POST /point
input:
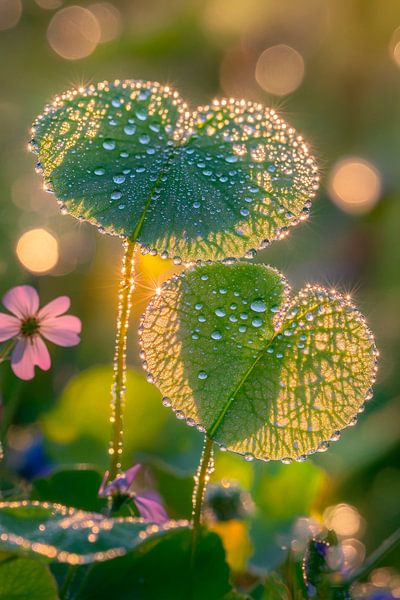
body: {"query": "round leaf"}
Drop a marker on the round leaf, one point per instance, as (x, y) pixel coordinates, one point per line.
(263, 374)
(130, 158)
(69, 535)
(26, 579)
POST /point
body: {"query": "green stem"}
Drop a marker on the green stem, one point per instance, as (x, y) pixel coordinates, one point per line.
(387, 546)
(67, 582)
(201, 479)
(6, 349)
(126, 287)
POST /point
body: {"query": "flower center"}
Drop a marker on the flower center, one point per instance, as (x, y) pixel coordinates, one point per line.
(30, 326)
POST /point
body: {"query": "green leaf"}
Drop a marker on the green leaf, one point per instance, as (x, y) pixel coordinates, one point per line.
(163, 570)
(130, 158)
(72, 536)
(81, 433)
(26, 579)
(77, 487)
(263, 374)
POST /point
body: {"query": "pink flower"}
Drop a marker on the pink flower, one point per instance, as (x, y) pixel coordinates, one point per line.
(29, 325)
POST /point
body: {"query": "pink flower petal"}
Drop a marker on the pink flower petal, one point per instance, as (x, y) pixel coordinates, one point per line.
(9, 327)
(56, 307)
(63, 331)
(27, 353)
(22, 300)
(150, 507)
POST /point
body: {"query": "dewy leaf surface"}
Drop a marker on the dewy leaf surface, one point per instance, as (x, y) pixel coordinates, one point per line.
(73, 536)
(130, 158)
(265, 375)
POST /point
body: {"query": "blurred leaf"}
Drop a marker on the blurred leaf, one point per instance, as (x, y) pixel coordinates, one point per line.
(26, 579)
(130, 158)
(69, 535)
(175, 488)
(236, 596)
(77, 487)
(286, 491)
(274, 588)
(79, 424)
(163, 570)
(265, 375)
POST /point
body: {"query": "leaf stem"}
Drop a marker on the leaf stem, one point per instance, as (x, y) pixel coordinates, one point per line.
(126, 287)
(6, 349)
(201, 479)
(387, 546)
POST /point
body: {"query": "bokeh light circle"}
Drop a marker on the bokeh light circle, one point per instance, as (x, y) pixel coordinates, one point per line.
(354, 185)
(280, 70)
(73, 32)
(10, 13)
(37, 250)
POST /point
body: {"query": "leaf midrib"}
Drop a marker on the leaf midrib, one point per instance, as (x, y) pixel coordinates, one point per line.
(217, 422)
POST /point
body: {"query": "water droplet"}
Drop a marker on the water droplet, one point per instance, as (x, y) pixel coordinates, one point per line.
(198, 306)
(119, 178)
(116, 195)
(257, 322)
(220, 312)
(144, 138)
(130, 129)
(99, 171)
(216, 335)
(109, 144)
(202, 375)
(258, 305)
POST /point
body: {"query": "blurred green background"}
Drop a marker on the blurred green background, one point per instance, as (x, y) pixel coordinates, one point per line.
(332, 68)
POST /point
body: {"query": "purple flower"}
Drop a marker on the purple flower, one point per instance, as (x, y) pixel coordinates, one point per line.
(148, 502)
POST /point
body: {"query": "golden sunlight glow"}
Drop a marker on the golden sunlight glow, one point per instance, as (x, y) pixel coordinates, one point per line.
(394, 46)
(109, 20)
(10, 13)
(354, 185)
(37, 250)
(344, 519)
(73, 33)
(280, 70)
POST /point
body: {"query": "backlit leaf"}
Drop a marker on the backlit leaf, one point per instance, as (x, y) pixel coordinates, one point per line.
(264, 374)
(132, 159)
(73, 536)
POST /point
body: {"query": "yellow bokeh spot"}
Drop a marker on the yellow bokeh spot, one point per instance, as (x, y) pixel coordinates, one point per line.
(354, 185)
(280, 70)
(37, 250)
(74, 32)
(236, 540)
(344, 519)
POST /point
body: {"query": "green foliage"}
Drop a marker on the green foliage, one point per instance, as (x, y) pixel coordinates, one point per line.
(163, 570)
(26, 579)
(69, 535)
(130, 158)
(78, 426)
(77, 487)
(264, 374)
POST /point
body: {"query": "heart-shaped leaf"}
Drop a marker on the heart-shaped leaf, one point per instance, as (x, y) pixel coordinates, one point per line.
(263, 374)
(73, 536)
(130, 158)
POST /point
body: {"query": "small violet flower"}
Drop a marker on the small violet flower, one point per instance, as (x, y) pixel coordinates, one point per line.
(148, 503)
(28, 325)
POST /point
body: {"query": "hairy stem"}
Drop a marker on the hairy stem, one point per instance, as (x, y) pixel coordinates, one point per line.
(126, 287)
(387, 546)
(201, 479)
